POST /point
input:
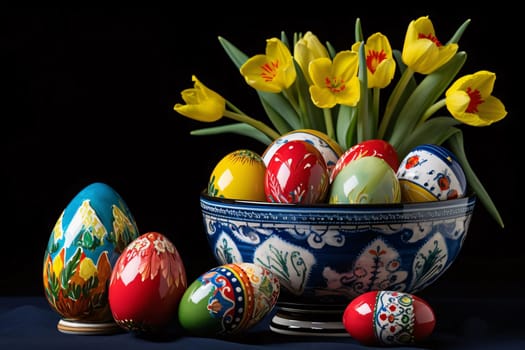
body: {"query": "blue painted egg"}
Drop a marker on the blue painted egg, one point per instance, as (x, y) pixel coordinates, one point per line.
(430, 173)
(85, 243)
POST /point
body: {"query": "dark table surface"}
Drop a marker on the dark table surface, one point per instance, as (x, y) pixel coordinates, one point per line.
(473, 322)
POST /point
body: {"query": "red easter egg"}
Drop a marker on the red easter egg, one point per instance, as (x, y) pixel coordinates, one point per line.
(388, 318)
(296, 173)
(374, 147)
(147, 284)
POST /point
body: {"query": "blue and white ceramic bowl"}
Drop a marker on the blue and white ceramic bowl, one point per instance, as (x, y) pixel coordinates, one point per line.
(326, 255)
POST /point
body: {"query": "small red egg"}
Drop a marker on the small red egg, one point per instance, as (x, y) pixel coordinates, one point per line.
(296, 173)
(147, 284)
(374, 147)
(388, 318)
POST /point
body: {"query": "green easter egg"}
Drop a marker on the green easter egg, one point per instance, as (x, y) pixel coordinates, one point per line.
(366, 180)
(195, 314)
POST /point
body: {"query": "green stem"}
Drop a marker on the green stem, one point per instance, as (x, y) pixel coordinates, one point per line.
(375, 110)
(290, 97)
(327, 112)
(394, 100)
(243, 118)
(431, 110)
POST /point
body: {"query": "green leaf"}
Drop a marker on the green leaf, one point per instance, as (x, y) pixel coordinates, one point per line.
(456, 146)
(435, 131)
(455, 38)
(311, 116)
(411, 84)
(358, 31)
(425, 94)
(403, 88)
(237, 56)
(284, 39)
(364, 125)
(281, 113)
(331, 50)
(345, 126)
(236, 128)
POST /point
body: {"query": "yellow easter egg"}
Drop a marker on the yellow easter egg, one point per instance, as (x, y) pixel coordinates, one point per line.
(239, 175)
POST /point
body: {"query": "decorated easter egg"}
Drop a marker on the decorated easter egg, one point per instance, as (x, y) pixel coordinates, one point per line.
(297, 173)
(365, 180)
(228, 299)
(147, 284)
(429, 173)
(330, 149)
(239, 175)
(373, 147)
(85, 243)
(388, 318)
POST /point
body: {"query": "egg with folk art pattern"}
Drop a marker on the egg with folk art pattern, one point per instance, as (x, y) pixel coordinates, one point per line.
(147, 284)
(389, 318)
(328, 147)
(85, 242)
(297, 173)
(228, 299)
(431, 173)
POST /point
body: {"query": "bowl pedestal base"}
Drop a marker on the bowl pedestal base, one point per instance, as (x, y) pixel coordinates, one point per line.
(70, 326)
(309, 322)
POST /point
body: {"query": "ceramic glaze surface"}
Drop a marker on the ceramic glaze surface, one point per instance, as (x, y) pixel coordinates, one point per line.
(374, 147)
(429, 173)
(228, 299)
(365, 180)
(147, 284)
(326, 255)
(84, 245)
(297, 173)
(389, 318)
(239, 175)
(330, 150)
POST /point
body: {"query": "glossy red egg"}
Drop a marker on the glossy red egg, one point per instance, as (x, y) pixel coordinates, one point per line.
(374, 147)
(147, 284)
(388, 318)
(296, 173)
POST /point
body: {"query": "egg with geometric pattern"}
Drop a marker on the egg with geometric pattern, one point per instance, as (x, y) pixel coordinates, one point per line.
(389, 318)
(228, 299)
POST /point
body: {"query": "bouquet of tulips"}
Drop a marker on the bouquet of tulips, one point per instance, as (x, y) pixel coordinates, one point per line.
(305, 84)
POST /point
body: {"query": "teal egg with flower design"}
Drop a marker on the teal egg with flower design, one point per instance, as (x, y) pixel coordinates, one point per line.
(84, 245)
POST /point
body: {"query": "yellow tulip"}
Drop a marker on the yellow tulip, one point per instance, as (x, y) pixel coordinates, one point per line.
(307, 49)
(380, 63)
(469, 99)
(272, 72)
(335, 82)
(202, 104)
(422, 51)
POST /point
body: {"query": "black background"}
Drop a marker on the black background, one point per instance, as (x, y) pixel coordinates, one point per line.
(88, 96)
